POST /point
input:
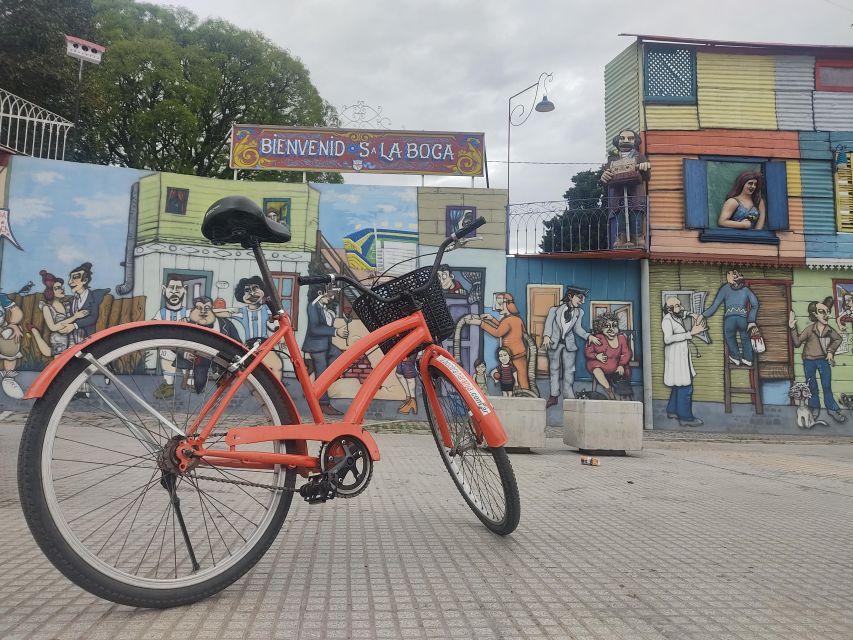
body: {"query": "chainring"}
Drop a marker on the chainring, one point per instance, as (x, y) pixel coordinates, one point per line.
(349, 460)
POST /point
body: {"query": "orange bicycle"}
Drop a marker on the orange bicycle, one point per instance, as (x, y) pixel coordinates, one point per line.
(159, 502)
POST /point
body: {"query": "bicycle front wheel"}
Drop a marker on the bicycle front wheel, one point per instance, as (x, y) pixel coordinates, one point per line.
(483, 475)
(99, 487)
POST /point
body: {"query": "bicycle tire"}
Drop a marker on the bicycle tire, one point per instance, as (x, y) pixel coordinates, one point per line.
(483, 475)
(58, 510)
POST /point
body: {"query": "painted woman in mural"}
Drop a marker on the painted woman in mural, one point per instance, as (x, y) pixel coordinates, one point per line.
(510, 329)
(744, 207)
(608, 360)
(58, 319)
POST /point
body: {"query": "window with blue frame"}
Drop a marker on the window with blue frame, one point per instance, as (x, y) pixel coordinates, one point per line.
(706, 184)
(669, 74)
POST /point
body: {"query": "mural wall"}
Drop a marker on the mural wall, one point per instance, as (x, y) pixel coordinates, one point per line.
(86, 247)
(583, 318)
(743, 348)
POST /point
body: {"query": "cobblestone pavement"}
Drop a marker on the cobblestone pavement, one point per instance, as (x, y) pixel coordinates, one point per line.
(689, 539)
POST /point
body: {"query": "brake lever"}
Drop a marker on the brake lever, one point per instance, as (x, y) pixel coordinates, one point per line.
(461, 242)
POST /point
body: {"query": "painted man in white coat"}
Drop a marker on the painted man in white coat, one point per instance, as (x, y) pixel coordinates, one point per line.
(678, 371)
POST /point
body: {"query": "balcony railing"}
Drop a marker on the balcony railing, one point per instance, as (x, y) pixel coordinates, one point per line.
(28, 129)
(578, 226)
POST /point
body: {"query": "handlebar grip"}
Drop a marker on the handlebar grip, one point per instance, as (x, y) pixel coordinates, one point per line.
(464, 231)
(326, 278)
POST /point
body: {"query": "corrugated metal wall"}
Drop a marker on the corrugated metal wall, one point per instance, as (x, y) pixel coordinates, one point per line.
(736, 91)
(814, 145)
(622, 94)
(669, 116)
(794, 86)
(833, 111)
(756, 144)
(818, 196)
(795, 186)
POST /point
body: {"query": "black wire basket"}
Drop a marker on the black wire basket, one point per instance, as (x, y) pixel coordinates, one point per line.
(377, 314)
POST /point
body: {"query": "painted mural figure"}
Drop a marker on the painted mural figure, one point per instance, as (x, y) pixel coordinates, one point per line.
(58, 319)
(407, 374)
(318, 338)
(844, 318)
(84, 299)
(744, 208)
(448, 283)
(203, 315)
(510, 329)
(562, 324)
(480, 376)
(506, 373)
(255, 317)
(608, 360)
(10, 346)
(174, 294)
(819, 342)
(740, 309)
(678, 371)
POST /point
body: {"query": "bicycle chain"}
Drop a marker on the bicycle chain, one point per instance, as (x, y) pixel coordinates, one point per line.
(242, 483)
(246, 483)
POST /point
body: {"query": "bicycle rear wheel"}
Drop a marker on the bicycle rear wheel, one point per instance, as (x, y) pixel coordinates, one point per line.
(98, 489)
(483, 475)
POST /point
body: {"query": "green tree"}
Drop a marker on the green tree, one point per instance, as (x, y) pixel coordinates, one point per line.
(170, 87)
(33, 64)
(583, 224)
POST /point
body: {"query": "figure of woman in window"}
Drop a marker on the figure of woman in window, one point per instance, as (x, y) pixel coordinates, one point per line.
(744, 207)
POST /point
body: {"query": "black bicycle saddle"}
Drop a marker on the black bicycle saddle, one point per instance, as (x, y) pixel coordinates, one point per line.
(237, 219)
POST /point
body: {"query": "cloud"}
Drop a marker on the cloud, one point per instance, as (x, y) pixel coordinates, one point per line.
(24, 210)
(45, 178)
(386, 208)
(71, 253)
(102, 208)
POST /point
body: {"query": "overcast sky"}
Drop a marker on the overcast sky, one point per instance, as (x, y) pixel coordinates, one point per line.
(451, 65)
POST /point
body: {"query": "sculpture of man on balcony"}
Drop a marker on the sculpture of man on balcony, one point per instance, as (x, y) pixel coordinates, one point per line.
(625, 176)
(627, 167)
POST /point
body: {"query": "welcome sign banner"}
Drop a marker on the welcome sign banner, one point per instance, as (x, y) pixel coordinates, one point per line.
(262, 147)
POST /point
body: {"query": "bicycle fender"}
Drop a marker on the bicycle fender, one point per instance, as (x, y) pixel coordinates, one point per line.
(482, 411)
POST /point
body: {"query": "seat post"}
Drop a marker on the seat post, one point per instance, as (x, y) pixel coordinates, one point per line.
(273, 299)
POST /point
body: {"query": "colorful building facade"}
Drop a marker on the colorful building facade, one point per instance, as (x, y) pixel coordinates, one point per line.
(707, 112)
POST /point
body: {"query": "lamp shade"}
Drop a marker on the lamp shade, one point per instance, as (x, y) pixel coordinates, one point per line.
(545, 105)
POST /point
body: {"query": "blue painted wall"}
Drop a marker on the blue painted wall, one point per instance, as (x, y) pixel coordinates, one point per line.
(614, 280)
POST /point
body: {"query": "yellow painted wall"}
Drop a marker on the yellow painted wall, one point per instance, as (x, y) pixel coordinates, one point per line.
(155, 224)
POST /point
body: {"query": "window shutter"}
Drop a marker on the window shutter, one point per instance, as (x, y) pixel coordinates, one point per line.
(695, 194)
(776, 178)
(844, 196)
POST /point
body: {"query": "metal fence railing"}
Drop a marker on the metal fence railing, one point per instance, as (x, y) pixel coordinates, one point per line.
(30, 130)
(575, 226)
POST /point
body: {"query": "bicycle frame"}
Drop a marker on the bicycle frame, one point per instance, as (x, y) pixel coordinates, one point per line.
(417, 333)
(319, 429)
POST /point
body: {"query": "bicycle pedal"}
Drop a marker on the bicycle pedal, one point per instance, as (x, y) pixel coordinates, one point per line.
(319, 489)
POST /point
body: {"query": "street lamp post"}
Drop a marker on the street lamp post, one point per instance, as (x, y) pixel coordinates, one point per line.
(521, 113)
(518, 115)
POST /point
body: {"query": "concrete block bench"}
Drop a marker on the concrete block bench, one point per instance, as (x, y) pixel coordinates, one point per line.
(523, 419)
(603, 425)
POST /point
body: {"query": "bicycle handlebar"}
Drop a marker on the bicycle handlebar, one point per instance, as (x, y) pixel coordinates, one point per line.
(331, 278)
